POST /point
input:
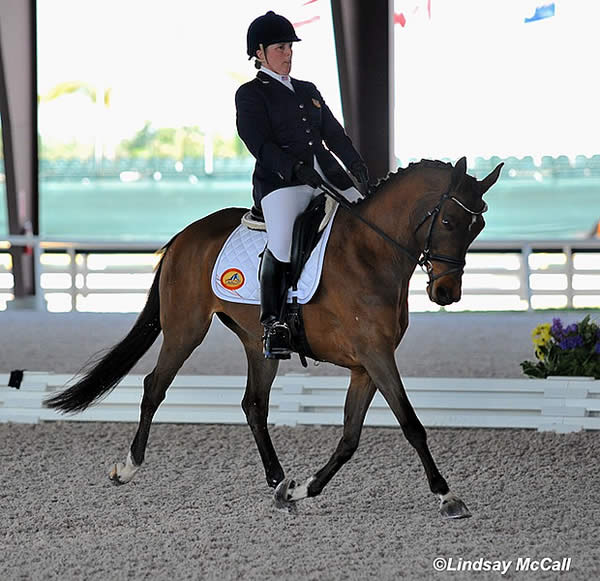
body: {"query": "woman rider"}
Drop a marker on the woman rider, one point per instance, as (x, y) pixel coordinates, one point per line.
(285, 123)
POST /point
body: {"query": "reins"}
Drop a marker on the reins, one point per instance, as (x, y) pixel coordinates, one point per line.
(348, 206)
(427, 257)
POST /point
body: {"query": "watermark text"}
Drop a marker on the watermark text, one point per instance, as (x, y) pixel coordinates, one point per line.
(502, 566)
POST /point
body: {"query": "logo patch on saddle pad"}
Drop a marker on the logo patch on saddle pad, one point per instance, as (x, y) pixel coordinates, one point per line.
(233, 279)
(235, 274)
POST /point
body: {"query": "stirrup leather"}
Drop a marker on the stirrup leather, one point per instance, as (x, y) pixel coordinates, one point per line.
(276, 341)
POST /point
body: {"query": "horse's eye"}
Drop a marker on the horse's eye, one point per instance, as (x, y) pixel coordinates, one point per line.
(447, 224)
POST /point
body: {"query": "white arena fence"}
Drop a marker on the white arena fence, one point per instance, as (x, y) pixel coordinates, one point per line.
(501, 275)
(557, 404)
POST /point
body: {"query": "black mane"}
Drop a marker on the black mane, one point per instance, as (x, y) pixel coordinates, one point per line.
(402, 171)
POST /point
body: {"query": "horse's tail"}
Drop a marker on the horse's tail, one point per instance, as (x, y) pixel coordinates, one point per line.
(105, 373)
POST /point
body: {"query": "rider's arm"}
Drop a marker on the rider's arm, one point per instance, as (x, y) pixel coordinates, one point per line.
(335, 137)
(254, 128)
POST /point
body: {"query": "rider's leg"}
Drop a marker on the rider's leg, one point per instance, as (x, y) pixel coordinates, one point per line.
(273, 292)
(280, 209)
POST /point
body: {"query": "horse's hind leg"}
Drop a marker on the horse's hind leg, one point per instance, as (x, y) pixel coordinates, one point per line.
(172, 355)
(359, 397)
(261, 373)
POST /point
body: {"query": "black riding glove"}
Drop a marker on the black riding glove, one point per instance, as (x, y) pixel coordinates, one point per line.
(360, 171)
(307, 175)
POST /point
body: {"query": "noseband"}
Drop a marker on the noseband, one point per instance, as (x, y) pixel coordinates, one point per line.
(426, 257)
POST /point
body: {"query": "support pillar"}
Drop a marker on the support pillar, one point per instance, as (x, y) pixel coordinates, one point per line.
(18, 113)
(364, 46)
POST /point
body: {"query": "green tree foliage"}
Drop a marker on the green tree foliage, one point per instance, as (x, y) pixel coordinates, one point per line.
(178, 143)
(70, 87)
(55, 150)
(148, 142)
(163, 142)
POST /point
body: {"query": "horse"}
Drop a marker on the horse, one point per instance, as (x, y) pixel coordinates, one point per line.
(427, 214)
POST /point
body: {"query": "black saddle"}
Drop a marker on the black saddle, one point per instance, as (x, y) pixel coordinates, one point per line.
(305, 237)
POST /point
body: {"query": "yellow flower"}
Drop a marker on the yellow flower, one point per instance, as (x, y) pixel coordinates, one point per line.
(541, 334)
(541, 337)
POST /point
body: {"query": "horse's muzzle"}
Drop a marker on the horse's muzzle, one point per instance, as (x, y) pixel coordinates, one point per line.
(445, 291)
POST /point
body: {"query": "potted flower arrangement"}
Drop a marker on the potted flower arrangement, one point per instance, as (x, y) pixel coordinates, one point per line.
(573, 350)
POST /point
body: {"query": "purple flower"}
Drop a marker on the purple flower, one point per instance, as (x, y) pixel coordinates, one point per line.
(557, 329)
(571, 342)
(571, 328)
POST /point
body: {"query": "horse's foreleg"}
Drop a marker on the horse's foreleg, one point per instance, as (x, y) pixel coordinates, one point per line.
(261, 373)
(170, 360)
(385, 374)
(359, 397)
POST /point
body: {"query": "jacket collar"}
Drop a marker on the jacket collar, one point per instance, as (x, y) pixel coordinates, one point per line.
(269, 80)
(264, 78)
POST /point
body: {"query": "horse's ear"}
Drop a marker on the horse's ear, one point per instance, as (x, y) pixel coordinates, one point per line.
(459, 171)
(487, 182)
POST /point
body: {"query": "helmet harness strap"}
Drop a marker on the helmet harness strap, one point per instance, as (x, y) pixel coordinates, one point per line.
(264, 51)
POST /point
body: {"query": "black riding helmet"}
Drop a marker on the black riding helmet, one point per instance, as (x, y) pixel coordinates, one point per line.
(269, 29)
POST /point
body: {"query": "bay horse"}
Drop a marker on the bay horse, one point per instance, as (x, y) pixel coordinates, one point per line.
(428, 214)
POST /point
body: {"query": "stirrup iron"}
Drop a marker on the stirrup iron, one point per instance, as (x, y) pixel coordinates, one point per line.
(276, 341)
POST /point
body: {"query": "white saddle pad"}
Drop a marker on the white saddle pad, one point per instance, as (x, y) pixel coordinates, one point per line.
(235, 274)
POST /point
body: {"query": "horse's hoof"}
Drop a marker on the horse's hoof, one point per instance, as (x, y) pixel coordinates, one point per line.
(454, 507)
(114, 476)
(275, 478)
(283, 496)
(274, 482)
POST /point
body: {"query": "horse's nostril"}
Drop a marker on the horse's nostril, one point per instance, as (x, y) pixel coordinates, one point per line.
(442, 293)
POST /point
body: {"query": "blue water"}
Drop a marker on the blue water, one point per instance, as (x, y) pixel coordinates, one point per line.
(518, 208)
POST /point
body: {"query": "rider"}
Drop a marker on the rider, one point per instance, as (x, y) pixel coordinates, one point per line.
(284, 123)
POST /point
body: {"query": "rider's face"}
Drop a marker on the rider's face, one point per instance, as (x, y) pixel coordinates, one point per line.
(278, 57)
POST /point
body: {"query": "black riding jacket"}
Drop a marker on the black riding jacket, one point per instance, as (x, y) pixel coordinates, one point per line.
(281, 127)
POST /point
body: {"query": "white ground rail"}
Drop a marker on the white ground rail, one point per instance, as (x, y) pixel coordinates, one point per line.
(559, 404)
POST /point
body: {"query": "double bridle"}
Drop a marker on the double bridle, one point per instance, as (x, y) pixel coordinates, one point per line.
(426, 258)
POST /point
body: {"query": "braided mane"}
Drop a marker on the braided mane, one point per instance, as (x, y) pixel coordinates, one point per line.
(403, 171)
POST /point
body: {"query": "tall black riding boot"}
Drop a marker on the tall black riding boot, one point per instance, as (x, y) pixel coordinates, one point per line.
(273, 293)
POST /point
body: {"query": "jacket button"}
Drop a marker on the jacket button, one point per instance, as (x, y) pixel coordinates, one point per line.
(301, 105)
(310, 143)
(308, 131)
(303, 118)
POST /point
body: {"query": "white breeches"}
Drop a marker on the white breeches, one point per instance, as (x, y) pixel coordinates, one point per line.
(281, 208)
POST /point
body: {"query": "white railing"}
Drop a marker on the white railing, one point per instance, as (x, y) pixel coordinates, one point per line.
(560, 404)
(500, 275)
